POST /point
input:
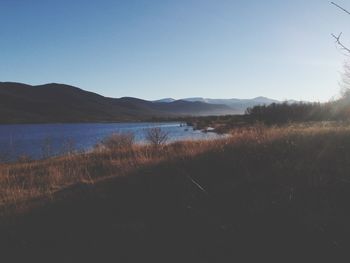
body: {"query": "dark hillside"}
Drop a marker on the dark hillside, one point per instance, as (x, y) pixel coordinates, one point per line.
(277, 195)
(21, 103)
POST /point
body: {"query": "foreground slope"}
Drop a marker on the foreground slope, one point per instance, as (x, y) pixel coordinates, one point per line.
(274, 195)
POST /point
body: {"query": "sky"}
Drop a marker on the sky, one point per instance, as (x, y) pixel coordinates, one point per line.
(154, 49)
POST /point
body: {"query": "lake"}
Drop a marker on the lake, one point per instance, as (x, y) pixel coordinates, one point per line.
(34, 140)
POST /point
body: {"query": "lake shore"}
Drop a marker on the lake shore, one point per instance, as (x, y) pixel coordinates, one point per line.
(27, 141)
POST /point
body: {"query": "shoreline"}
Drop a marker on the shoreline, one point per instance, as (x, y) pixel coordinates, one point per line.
(41, 140)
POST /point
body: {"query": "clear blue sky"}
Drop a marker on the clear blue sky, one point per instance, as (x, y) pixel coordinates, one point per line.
(181, 48)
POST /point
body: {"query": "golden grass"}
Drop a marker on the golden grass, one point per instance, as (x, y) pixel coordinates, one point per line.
(24, 181)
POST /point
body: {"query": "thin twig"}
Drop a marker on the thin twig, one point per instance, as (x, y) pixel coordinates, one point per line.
(197, 184)
(337, 40)
(341, 8)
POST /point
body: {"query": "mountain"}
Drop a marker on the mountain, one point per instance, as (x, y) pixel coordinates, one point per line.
(22, 103)
(165, 100)
(238, 105)
(182, 107)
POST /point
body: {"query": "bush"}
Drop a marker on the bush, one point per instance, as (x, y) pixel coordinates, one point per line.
(157, 136)
(118, 141)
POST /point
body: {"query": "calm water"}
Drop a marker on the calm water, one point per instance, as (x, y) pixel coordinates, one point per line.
(33, 139)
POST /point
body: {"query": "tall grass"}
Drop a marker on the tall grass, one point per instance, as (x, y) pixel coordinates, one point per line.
(295, 155)
(26, 179)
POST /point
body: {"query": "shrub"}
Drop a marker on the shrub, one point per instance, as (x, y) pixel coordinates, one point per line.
(118, 141)
(156, 136)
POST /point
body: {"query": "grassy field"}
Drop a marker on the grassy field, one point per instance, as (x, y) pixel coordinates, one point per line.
(277, 193)
(21, 182)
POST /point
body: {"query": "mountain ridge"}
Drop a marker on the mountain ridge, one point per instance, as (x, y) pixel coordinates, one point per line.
(59, 103)
(238, 105)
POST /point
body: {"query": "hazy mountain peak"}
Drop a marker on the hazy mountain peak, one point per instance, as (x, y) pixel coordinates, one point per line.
(165, 100)
(238, 105)
(262, 99)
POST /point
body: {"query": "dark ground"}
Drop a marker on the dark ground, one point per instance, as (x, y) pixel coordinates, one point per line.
(282, 204)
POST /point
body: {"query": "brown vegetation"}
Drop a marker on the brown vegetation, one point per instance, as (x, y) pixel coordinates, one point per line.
(263, 193)
(115, 156)
(117, 141)
(156, 136)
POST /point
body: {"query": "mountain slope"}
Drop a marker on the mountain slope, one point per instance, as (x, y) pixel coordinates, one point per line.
(165, 100)
(239, 105)
(21, 103)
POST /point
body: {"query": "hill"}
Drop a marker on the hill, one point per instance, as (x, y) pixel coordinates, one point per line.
(22, 103)
(238, 105)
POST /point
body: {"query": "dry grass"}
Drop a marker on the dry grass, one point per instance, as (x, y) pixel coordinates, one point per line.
(273, 191)
(23, 181)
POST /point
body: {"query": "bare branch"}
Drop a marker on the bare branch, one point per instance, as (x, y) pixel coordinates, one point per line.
(337, 38)
(341, 8)
(338, 41)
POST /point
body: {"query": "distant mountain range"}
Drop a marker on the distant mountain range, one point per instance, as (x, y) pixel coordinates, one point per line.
(237, 105)
(59, 103)
(21, 103)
